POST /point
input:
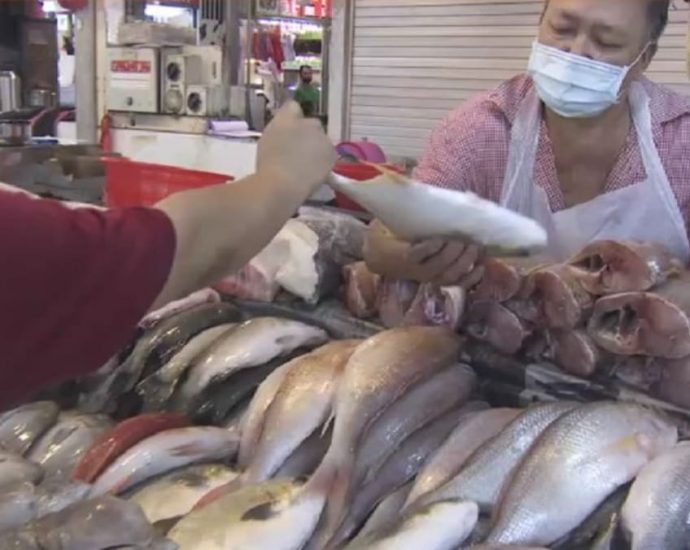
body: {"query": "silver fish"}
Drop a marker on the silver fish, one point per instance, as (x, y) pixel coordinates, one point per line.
(656, 512)
(15, 469)
(579, 460)
(471, 433)
(306, 458)
(20, 427)
(443, 392)
(59, 450)
(56, 495)
(203, 296)
(17, 505)
(485, 473)
(442, 526)
(175, 494)
(163, 453)
(386, 514)
(248, 345)
(301, 405)
(157, 388)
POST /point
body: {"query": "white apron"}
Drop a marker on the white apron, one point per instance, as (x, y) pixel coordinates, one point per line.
(645, 211)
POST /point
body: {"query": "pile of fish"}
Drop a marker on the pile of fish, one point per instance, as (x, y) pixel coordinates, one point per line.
(617, 309)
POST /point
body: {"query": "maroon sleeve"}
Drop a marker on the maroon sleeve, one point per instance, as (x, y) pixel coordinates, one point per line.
(73, 285)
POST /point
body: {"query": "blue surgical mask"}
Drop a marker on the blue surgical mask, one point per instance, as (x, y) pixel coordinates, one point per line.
(574, 86)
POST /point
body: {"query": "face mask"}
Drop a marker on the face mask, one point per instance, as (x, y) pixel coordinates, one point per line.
(574, 86)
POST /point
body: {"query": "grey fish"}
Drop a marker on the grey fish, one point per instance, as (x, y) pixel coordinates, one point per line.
(234, 421)
(441, 393)
(59, 450)
(157, 388)
(20, 427)
(484, 474)
(306, 458)
(400, 468)
(155, 348)
(251, 344)
(656, 512)
(56, 495)
(386, 514)
(472, 432)
(15, 469)
(576, 463)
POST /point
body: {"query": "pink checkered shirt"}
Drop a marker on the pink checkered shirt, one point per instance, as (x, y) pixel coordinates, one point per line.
(469, 150)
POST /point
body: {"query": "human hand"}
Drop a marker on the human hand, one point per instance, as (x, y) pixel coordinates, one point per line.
(445, 263)
(296, 149)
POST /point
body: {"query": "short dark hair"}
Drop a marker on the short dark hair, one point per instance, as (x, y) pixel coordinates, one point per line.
(301, 69)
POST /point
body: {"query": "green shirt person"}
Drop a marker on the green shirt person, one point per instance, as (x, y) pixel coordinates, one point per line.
(306, 94)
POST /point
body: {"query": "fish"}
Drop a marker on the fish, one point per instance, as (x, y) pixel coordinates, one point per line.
(488, 469)
(443, 306)
(303, 403)
(55, 495)
(61, 448)
(557, 296)
(503, 278)
(155, 348)
(176, 493)
(638, 372)
(381, 370)
(17, 505)
(472, 432)
(576, 463)
(120, 438)
(394, 301)
(203, 296)
(157, 388)
(574, 352)
(645, 323)
(670, 380)
(251, 344)
(208, 528)
(655, 514)
(441, 393)
(15, 469)
(495, 324)
(20, 427)
(442, 526)
(400, 468)
(611, 267)
(234, 421)
(163, 452)
(385, 515)
(361, 288)
(306, 458)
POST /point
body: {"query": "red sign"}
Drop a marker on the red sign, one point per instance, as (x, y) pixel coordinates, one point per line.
(130, 66)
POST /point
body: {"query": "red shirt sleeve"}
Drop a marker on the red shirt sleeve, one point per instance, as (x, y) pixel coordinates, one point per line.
(73, 285)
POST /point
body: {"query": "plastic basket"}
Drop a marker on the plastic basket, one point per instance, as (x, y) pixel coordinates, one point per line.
(133, 183)
(359, 172)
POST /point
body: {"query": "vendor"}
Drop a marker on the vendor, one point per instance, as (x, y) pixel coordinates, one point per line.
(583, 143)
(75, 283)
(306, 94)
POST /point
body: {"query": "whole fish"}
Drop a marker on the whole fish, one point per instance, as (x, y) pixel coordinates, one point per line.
(400, 468)
(61, 448)
(164, 452)
(156, 347)
(444, 392)
(15, 469)
(20, 427)
(502, 279)
(611, 267)
(203, 296)
(442, 526)
(645, 323)
(211, 527)
(361, 290)
(490, 467)
(120, 438)
(655, 514)
(576, 463)
(573, 351)
(380, 371)
(386, 515)
(251, 344)
(306, 458)
(157, 388)
(175, 494)
(472, 432)
(495, 324)
(558, 297)
(301, 405)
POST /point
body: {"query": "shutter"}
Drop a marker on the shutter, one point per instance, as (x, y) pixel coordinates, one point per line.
(413, 61)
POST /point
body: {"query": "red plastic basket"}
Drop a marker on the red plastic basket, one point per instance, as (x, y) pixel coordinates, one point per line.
(133, 183)
(358, 172)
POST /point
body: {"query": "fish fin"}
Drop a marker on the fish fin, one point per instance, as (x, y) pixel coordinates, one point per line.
(329, 422)
(262, 512)
(219, 492)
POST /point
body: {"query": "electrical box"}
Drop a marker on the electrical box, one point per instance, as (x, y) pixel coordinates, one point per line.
(132, 81)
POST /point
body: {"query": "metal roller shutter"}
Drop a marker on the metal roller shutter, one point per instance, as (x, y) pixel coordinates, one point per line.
(415, 60)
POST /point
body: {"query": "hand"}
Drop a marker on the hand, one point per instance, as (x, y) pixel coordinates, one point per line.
(296, 149)
(446, 263)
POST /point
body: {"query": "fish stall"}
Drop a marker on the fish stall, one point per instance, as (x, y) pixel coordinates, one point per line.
(306, 402)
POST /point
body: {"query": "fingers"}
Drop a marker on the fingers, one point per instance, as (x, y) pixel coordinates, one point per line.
(462, 262)
(422, 252)
(471, 280)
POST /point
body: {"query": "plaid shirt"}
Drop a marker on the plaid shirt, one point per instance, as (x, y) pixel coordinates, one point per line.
(469, 150)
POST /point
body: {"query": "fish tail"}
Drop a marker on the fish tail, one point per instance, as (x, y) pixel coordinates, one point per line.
(332, 478)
